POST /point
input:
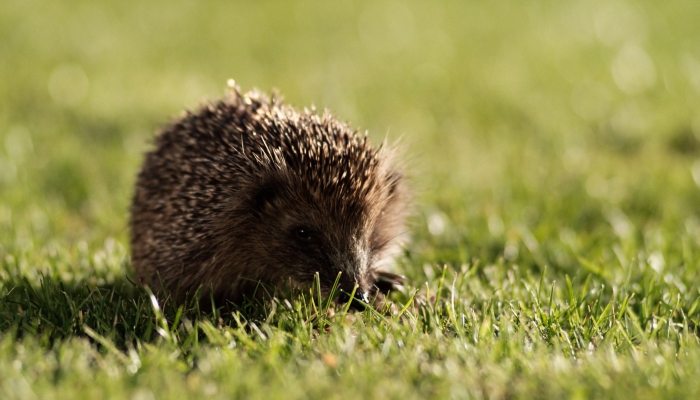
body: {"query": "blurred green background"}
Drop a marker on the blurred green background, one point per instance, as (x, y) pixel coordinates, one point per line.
(552, 146)
(535, 131)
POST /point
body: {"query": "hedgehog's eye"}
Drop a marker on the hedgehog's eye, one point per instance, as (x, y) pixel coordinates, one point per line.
(304, 234)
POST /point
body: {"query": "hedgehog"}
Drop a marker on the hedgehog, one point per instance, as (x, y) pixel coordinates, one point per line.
(249, 194)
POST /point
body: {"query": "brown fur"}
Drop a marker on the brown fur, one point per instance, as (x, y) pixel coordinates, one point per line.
(249, 190)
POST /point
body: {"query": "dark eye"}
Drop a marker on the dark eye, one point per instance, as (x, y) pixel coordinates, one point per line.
(304, 234)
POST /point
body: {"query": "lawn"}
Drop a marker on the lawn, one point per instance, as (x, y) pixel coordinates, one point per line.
(553, 148)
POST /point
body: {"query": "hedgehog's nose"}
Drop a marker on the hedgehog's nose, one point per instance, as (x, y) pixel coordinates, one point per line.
(358, 302)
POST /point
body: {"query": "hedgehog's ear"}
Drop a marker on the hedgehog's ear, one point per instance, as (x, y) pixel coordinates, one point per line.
(393, 180)
(263, 196)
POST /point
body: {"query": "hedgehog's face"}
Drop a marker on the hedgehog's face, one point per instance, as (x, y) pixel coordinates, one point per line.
(301, 233)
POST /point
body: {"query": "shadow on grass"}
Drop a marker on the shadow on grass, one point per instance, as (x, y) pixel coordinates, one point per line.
(121, 312)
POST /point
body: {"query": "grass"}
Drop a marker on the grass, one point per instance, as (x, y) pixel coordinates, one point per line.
(553, 146)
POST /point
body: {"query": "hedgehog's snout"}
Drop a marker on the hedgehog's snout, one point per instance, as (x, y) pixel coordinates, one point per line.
(352, 284)
(357, 302)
